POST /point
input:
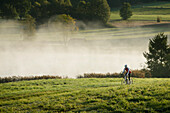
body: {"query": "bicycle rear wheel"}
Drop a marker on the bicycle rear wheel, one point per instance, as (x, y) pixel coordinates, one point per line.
(131, 81)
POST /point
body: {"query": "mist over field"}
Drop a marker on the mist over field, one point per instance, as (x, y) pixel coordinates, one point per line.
(102, 51)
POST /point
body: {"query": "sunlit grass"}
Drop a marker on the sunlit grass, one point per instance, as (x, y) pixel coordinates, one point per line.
(90, 95)
(150, 17)
(137, 17)
(159, 4)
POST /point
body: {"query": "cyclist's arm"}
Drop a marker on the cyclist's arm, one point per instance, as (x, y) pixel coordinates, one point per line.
(128, 71)
(123, 70)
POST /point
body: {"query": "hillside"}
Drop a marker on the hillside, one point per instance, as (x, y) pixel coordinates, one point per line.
(89, 95)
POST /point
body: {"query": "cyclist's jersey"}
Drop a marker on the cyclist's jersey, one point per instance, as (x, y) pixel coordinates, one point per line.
(127, 70)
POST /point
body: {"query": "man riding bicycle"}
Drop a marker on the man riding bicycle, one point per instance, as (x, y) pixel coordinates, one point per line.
(128, 73)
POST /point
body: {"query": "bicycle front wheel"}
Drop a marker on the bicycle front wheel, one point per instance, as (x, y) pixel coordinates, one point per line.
(123, 81)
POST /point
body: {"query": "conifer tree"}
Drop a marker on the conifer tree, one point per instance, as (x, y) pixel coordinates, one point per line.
(125, 11)
(158, 57)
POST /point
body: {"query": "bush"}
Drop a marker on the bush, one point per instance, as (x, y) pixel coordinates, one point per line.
(21, 78)
(100, 75)
(141, 73)
(135, 73)
(158, 19)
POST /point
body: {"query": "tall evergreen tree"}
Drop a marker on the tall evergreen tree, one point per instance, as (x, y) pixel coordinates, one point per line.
(158, 56)
(125, 11)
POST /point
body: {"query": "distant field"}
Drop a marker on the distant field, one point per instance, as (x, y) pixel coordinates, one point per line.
(139, 17)
(146, 12)
(123, 33)
(86, 95)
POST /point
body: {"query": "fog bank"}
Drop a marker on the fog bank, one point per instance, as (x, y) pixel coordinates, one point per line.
(85, 52)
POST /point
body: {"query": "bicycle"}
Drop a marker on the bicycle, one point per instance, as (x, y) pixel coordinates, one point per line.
(126, 81)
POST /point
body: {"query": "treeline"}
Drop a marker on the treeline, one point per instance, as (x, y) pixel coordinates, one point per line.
(136, 73)
(21, 78)
(41, 10)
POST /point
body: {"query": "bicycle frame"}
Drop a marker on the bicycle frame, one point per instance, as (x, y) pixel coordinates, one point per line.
(125, 80)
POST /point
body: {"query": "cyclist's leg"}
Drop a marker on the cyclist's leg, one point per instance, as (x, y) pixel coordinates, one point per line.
(126, 78)
(129, 76)
(126, 75)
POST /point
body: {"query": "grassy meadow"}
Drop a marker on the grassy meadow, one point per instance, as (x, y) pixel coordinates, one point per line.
(146, 12)
(86, 95)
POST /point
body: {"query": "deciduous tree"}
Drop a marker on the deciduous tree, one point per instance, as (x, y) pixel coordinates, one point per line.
(94, 10)
(99, 10)
(65, 24)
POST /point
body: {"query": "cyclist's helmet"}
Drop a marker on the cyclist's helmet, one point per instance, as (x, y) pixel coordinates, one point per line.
(125, 66)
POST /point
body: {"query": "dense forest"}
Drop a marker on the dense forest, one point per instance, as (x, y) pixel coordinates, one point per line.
(42, 10)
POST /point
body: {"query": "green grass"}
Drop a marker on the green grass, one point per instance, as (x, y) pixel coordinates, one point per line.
(146, 12)
(136, 17)
(86, 95)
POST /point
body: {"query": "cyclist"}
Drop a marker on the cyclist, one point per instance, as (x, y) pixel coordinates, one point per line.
(128, 72)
